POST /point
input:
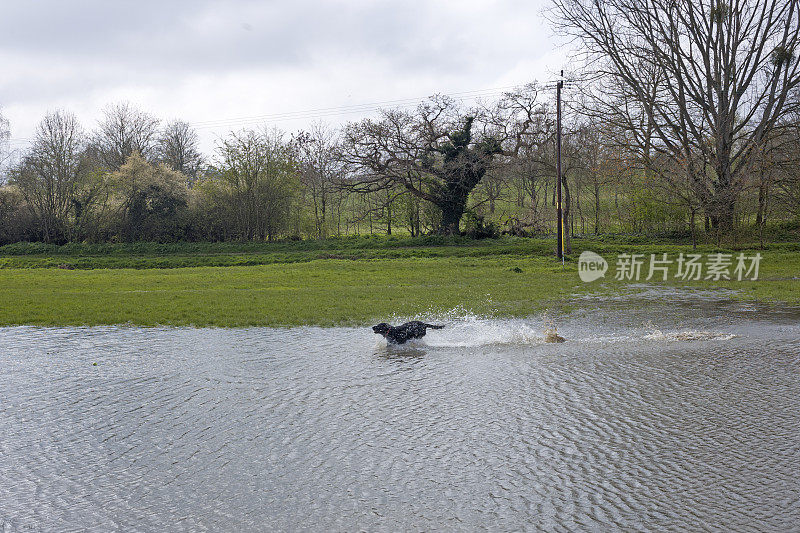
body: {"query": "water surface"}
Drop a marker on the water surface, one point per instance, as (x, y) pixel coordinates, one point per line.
(665, 411)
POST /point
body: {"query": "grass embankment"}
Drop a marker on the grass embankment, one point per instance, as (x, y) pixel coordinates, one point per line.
(310, 283)
(182, 255)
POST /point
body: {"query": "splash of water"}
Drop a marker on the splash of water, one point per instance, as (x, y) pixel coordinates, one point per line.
(466, 329)
(472, 331)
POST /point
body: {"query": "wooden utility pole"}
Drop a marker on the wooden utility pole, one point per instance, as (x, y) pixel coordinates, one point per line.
(560, 231)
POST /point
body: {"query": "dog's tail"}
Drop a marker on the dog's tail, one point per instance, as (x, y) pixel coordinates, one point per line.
(433, 326)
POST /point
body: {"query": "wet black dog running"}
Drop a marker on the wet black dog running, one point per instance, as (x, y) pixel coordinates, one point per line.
(400, 334)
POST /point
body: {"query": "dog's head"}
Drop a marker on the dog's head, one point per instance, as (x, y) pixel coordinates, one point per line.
(382, 328)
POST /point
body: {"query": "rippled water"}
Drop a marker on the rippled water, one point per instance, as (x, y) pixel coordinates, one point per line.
(660, 412)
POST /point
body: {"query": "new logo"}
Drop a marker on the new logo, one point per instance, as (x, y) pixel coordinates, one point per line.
(591, 266)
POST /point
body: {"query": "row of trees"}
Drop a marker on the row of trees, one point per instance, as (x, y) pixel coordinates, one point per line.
(410, 171)
(131, 180)
(687, 120)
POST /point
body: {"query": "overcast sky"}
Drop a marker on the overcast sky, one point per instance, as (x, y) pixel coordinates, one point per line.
(210, 62)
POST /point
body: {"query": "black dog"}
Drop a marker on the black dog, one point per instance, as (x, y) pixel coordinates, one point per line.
(400, 334)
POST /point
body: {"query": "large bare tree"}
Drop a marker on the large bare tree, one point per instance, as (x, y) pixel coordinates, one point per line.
(438, 152)
(696, 83)
(429, 152)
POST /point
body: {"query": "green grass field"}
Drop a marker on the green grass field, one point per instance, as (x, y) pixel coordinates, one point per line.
(349, 281)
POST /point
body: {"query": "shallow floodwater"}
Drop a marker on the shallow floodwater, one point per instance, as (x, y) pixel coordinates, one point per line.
(664, 411)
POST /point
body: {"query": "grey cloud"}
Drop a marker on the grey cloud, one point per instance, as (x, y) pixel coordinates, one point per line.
(70, 52)
(181, 36)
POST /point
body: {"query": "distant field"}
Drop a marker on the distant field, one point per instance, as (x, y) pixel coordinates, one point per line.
(351, 281)
(182, 255)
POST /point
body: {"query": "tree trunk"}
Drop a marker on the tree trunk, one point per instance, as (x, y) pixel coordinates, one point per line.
(723, 202)
(324, 227)
(451, 217)
(389, 217)
(596, 209)
(761, 201)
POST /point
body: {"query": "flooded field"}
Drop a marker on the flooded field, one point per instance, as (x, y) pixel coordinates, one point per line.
(663, 411)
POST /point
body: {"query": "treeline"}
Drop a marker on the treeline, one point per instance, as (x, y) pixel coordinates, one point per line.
(440, 168)
(132, 180)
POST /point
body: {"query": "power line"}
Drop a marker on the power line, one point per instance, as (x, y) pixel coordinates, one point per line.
(324, 112)
(331, 111)
(370, 107)
(348, 109)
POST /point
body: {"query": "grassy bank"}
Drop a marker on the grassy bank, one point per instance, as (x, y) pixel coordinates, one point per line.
(183, 255)
(309, 283)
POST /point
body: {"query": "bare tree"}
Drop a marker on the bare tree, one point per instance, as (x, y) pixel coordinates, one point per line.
(178, 148)
(320, 171)
(529, 128)
(123, 131)
(708, 79)
(259, 173)
(439, 152)
(50, 173)
(595, 160)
